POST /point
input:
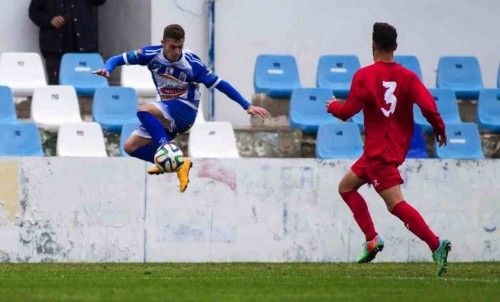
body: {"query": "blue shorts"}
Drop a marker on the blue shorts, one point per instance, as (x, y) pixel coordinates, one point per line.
(180, 115)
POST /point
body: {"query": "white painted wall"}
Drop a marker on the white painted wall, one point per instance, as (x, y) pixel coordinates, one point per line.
(72, 210)
(107, 210)
(308, 29)
(18, 32)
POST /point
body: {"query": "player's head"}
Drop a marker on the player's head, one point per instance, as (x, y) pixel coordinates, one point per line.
(384, 38)
(173, 41)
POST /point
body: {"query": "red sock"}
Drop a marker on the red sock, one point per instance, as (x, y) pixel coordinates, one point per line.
(416, 224)
(358, 207)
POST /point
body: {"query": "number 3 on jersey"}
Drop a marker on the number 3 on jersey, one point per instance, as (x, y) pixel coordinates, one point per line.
(389, 98)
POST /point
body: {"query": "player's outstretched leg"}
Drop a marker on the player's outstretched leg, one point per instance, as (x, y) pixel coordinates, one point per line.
(183, 174)
(440, 256)
(371, 249)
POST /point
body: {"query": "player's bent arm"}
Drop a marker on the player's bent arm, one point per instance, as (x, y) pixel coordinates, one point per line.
(345, 110)
(232, 93)
(352, 105)
(428, 107)
(113, 62)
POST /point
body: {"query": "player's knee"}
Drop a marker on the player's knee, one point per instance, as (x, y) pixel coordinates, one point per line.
(344, 187)
(145, 108)
(129, 147)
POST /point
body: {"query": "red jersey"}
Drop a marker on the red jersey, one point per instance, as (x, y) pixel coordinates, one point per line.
(386, 93)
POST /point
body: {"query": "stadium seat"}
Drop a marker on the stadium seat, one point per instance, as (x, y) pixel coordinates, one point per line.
(212, 140)
(22, 72)
(410, 62)
(7, 107)
(447, 106)
(200, 116)
(460, 74)
(127, 129)
(114, 107)
(339, 141)
(488, 110)
(53, 106)
(139, 78)
(76, 70)
(307, 109)
(336, 72)
(463, 142)
(276, 75)
(81, 140)
(417, 147)
(20, 139)
(498, 77)
(358, 119)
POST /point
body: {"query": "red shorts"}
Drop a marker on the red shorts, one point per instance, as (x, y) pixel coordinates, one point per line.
(377, 173)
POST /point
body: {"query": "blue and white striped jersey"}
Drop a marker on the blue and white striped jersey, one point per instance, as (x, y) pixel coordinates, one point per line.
(179, 79)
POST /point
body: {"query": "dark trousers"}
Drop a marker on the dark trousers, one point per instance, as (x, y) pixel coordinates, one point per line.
(52, 65)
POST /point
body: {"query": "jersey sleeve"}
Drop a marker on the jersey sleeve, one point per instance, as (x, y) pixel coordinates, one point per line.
(140, 56)
(201, 73)
(427, 105)
(353, 104)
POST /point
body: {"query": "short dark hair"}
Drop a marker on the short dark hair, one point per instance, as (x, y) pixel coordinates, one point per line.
(173, 31)
(384, 36)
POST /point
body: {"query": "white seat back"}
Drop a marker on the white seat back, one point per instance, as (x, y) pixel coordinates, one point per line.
(200, 117)
(139, 78)
(212, 140)
(55, 105)
(82, 140)
(22, 72)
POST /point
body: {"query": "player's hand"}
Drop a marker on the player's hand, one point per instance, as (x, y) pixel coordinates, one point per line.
(252, 110)
(102, 73)
(328, 103)
(58, 21)
(441, 139)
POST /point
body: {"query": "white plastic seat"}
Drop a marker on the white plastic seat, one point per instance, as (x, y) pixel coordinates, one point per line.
(55, 105)
(212, 140)
(81, 140)
(139, 78)
(22, 72)
(200, 116)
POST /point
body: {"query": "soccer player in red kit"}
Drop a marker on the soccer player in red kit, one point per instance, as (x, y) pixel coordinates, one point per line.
(386, 91)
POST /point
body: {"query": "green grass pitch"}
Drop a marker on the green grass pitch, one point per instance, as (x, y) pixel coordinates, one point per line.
(249, 282)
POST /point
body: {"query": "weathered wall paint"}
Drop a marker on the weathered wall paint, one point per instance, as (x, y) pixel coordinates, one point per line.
(106, 209)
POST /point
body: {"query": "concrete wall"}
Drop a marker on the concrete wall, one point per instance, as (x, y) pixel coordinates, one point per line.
(124, 25)
(95, 210)
(18, 32)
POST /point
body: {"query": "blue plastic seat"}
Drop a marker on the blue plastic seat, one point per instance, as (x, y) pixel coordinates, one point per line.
(20, 139)
(339, 141)
(417, 144)
(276, 75)
(7, 107)
(114, 107)
(460, 74)
(127, 129)
(447, 106)
(463, 142)
(336, 72)
(498, 77)
(307, 109)
(76, 70)
(358, 119)
(411, 63)
(488, 110)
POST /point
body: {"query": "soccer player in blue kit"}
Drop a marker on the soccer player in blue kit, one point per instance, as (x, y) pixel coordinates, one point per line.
(176, 73)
